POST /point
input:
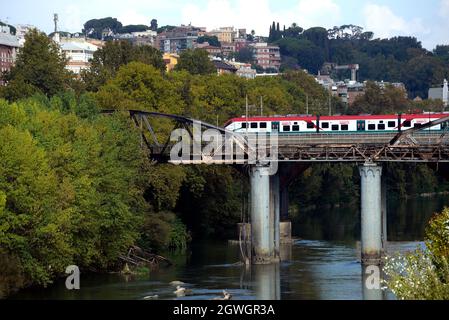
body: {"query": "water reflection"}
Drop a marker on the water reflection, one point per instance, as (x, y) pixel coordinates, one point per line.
(267, 281)
(326, 266)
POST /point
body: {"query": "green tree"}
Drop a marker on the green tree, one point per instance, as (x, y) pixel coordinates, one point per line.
(195, 62)
(212, 40)
(244, 55)
(40, 67)
(94, 28)
(108, 60)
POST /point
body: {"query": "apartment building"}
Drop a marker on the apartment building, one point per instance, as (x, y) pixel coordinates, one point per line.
(9, 46)
(267, 56)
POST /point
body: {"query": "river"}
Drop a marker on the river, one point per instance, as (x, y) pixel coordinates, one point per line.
(322, 264)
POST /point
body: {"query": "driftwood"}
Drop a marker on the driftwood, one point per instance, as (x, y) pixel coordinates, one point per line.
(139, 257)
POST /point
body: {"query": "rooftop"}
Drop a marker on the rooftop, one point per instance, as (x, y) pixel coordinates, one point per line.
(9, 40)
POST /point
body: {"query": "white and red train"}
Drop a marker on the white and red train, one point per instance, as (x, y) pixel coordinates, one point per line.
(335, 124)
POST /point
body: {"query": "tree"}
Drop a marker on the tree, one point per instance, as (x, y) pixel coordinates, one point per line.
(142, 87)
(133, 28)
(377, 100)
(245, 54)
(195, 62)
(40, 67)
(107, 61)
(212, 40)
(94, 28)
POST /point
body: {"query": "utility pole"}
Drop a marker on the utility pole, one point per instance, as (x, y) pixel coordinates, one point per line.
(246, 115)
(307, 104)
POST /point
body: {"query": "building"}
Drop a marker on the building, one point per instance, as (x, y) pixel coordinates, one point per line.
(441, 93)
(224, 67)
(227, 48)
(9, 46)
(22, 30)
(240, 43)
(79, 52)
(171, 60)
(224, 34)
(348, 91)
(213, 51)
(178, 39)
(266, 56)
(244, 70)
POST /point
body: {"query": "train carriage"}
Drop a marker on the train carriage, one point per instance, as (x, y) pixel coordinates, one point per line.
(334, 124)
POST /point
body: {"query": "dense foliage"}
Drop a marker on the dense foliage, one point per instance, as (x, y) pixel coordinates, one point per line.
(40, 67)
(399, 59)
(195, 61)
(70, 188)
(112, 56)
(423, 274)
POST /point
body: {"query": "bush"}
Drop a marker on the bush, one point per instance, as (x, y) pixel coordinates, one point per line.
(423, 274)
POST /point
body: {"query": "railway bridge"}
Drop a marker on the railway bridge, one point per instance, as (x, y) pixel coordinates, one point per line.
(272, 161)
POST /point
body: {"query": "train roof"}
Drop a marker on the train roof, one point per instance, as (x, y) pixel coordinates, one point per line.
(330, 118)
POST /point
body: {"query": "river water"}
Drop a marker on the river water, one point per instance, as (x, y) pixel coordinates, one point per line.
(322, 264)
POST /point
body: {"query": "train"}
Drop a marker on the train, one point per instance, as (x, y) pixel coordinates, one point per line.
(302, 124)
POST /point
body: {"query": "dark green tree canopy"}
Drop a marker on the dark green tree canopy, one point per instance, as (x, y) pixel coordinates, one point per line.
(195, 62)
(40, 67)
(95, 27)
(212, 40)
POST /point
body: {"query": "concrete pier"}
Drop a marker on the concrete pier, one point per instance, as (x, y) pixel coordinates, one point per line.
(262, 225)
(384, 213)
(275, 209)
(371, 210)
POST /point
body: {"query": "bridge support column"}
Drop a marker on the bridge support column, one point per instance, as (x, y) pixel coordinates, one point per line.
(384, 213)
(371, 208)
(275, 208)
(262, 226)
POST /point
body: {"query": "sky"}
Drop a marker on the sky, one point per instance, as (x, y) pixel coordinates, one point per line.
(426, 20)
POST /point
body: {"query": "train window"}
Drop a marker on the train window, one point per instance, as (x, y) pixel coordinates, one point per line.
(381, 126)
(286, 128)
(407, 124)
(295, 128)
(243, 125)
(344, 127)
(310, 125)
(335, 127)
(371, 127)
(391, 124)
(263, 125)
(254, 125)
(325, 125)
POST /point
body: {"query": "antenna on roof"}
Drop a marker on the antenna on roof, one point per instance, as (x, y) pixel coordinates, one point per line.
(56, 19)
